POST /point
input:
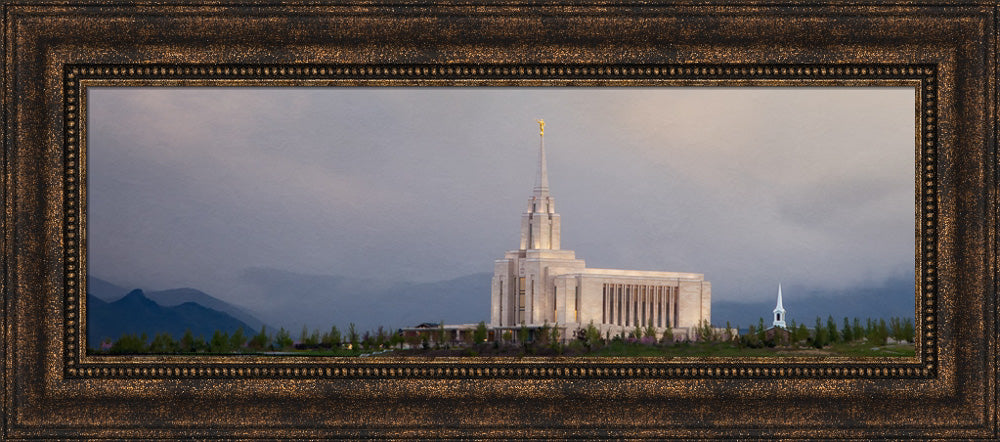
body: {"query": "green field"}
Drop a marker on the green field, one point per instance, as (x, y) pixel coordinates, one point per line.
(721, 349)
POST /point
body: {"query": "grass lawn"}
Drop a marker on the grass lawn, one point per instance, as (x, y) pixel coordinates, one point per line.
(718, 349)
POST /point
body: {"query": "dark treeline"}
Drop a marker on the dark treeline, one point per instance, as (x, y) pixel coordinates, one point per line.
(873, 331)
(239, 341)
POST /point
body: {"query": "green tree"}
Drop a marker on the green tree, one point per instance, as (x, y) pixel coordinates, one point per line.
(283, 339)
(857, 330)
(481, 333)
(819, 334)
(219, 342)
(187, 342)
(129, 343)
(877, 332)
(896, 329)
(831, 330)
(237, 339)
(730, 336)
(508, 335)
(554, 337)
(761, 331)
(883, 332)
(332, 338)
(200, 345)
(163, 343)
(908, 330)
(260, 340)
(752, 338)
(847, 333)
(802, 334)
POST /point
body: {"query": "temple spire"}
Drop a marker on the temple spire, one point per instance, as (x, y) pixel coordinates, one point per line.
(542, 177)
(540, 223)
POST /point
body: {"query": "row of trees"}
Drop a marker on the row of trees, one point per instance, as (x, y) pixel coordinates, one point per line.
(873, 331)
(876, 332)
(221, 342)
(224, 342)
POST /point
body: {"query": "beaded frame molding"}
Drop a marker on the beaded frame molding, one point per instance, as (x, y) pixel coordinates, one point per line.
(78, 77)
(53, 52)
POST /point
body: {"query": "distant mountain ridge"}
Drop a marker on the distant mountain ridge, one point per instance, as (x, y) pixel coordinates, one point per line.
(109, 292)
(135, 313)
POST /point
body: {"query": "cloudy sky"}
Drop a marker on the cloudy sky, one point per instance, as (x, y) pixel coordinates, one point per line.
(752, 186)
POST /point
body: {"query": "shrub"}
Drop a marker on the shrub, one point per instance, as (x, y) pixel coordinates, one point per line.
(650, 331)
(668, 336)
(593, 335)
(705, 332)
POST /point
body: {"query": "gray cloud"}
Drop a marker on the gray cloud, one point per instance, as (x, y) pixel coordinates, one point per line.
(188, 187)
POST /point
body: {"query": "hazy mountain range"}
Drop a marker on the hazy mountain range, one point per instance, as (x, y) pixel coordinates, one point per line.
(135, 313)
(109, 292)
(291, 300)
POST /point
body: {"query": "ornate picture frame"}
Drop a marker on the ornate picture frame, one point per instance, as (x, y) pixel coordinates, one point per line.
(53, 52)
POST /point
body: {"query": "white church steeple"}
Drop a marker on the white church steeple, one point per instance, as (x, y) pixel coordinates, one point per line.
(779, 312)
(540, 222)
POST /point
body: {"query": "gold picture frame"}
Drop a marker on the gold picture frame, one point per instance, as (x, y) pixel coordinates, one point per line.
(53, 52)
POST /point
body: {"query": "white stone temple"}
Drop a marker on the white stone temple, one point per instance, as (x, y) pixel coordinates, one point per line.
(540, 283)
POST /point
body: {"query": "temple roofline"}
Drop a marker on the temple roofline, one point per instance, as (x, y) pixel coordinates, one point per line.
(637, 273)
